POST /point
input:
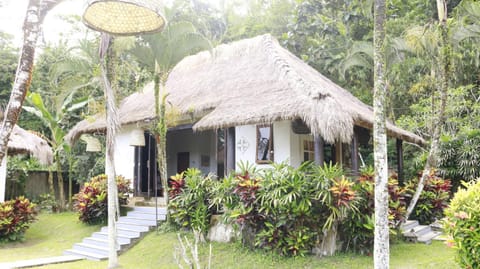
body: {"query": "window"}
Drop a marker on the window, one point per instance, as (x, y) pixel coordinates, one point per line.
(308, 150)
(264, 144)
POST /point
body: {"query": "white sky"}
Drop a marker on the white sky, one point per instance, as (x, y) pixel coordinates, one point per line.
(12, 14)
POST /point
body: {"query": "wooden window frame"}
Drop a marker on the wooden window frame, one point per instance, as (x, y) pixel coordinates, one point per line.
(270, 154)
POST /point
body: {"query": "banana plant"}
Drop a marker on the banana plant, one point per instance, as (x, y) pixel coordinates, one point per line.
(52, 119)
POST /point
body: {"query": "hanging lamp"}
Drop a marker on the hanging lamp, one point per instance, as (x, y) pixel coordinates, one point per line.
(93, 144)
(137, 138)
(125, 17)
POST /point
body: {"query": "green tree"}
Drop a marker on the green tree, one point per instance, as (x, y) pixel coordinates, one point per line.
(160, 53)
(53, 120)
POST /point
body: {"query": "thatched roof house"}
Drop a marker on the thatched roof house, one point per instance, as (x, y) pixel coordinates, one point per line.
(24, 142)
(252, 81)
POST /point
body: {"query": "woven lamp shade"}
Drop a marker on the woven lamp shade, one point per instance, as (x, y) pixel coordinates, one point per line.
(93, 144)
(125, 17)
(137, 138)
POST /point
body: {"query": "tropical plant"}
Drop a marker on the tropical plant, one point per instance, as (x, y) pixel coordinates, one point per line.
(160, 53)
(461, 224)
(15, 218)
(190, 207)
(91, 201)
(53, 120)
(433, 200)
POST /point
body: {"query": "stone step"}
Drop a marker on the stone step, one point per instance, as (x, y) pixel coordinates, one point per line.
(427, 238)
(86, 254)
(409, 224)
(124, 231)
(146, 215)
(103, 242)
(137, 221)
(417, 231)
(133, 227)
(101, 250)
(437, 226)
(150, 209)
(120, 238)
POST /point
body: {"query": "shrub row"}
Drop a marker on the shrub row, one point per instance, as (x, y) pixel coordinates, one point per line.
(15, 218)
(294, 210)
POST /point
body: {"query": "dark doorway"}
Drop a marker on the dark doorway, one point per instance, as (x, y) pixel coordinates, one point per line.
(183, 161)
(147, 175)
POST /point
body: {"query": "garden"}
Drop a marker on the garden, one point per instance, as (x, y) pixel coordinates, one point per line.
(415, 62)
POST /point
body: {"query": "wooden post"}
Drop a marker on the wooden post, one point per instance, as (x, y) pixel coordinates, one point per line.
(339, 153)
(400, 162)
(354, 154)
(230, 148)
(319, 154)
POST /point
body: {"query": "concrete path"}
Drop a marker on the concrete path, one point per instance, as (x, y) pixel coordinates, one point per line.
(40, 262)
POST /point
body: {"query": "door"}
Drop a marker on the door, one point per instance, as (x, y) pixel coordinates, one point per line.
(146, 175)
(183, 161)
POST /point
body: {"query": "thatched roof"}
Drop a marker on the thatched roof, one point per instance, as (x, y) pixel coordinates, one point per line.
(252, 81)
(24, 142)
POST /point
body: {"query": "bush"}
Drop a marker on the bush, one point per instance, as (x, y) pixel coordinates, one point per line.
(289, 209)
(462, 224)
(91, 200)
(432, 201)
(190, 194)
(15, 218)
(357, 229)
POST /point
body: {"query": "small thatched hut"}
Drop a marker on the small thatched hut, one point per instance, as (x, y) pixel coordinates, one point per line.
(271, 104)
(24, 142)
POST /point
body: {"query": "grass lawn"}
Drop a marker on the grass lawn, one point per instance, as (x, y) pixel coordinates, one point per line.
(49, 236)
(156, 251)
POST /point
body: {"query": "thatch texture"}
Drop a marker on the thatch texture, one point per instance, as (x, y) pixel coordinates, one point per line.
(253, 81)
(24, 142)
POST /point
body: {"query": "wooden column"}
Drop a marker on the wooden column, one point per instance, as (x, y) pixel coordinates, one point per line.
(319, 154)
(400, 162)
(354, 154)
(339, 153)
(230, 148)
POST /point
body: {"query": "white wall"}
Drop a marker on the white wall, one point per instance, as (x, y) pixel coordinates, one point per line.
(285, 144)
(3, 178)
(124, 153)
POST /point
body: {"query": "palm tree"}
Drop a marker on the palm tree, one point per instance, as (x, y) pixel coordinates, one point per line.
(36, 12)
(381, 240)
(161, 52)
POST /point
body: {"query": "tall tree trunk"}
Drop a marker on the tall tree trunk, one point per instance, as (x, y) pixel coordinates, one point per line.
(36, 11)
(108, 74)
(381, 240)
(70, 183)
(61, 191)
(444, 69)
(161, 131)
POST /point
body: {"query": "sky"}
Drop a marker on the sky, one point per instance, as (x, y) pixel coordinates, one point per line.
(12, 14)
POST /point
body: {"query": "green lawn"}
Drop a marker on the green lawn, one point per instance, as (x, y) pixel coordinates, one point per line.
(49, 237)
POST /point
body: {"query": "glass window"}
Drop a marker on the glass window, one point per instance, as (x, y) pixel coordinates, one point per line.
(308, 150)
(264, 144)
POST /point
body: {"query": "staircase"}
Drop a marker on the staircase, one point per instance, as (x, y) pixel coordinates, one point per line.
(414, 232)
(130, 229)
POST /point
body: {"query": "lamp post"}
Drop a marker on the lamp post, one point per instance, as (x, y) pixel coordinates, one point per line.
(118, 18)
